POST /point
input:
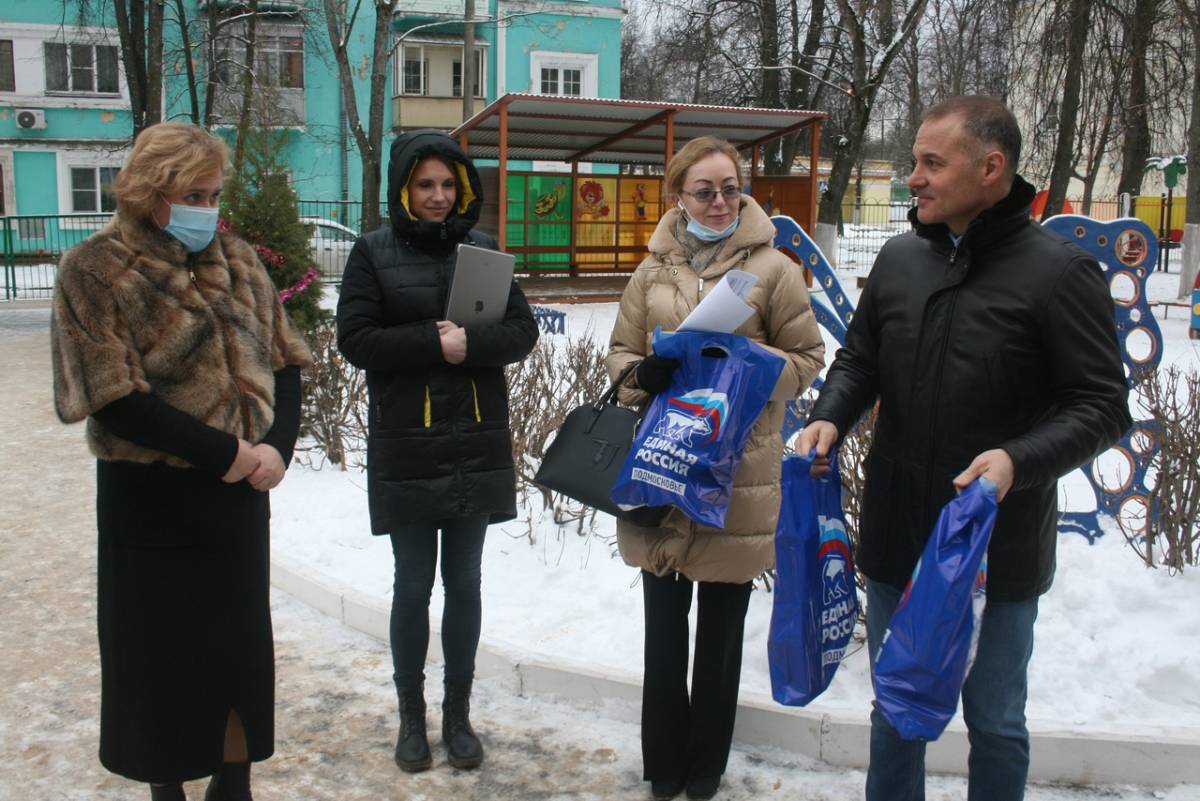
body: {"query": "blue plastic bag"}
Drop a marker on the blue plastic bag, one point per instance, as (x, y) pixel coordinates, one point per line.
(690, 441)
(930, 643)
(815, 600)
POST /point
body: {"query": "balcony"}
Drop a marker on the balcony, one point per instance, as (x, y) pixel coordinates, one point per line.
(417, 12)
(419, 111)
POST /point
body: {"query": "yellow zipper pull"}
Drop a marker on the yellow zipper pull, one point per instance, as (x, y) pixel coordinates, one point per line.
(428, 408)
(475, 394)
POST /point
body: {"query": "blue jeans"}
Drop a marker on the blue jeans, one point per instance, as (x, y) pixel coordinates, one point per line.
(415, 548)
(993, 707)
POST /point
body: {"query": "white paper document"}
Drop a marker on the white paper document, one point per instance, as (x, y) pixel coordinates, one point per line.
(724, 308)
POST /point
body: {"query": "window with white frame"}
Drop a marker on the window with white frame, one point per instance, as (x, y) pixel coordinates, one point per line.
(8, 76)
(91, 189)
(81, 68)
(457, 76)
(561, 81)
(280, 61)
(572, 74)
(414, 71)
(278, 56)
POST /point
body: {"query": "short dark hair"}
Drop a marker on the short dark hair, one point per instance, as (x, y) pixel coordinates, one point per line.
(987, 120)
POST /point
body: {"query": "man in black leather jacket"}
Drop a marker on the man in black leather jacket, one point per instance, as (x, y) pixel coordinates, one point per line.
(990, 345)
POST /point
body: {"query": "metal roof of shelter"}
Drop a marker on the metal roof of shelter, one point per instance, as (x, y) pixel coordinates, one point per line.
(575, 129)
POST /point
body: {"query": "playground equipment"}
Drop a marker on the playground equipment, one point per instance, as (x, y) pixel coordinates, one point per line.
(1194, 331)
(1124, 248)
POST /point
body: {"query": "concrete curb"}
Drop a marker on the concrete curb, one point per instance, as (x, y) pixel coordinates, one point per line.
(1164, 756)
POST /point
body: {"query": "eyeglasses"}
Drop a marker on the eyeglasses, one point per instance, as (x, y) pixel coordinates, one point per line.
(709, 195)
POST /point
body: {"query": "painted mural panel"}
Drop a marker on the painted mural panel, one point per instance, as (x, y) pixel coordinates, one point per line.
(595, 218)
(639, 210)
(539, 216)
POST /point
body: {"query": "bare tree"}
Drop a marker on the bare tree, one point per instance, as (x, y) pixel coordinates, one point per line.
(181, 19)
(1190, 11)
(1097, 134)
(140, 28)
(876, 41)
(1060, 171)
(1139, 26)
(340, 22)
(805, 84)
(247, 104)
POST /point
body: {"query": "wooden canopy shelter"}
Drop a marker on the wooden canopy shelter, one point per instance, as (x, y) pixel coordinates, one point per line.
(625, 132)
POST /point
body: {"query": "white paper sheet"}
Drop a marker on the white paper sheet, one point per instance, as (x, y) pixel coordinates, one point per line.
(724, 308)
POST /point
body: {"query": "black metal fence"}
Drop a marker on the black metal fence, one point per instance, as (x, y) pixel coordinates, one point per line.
(343, 212)
(865, 228)
(33, 243)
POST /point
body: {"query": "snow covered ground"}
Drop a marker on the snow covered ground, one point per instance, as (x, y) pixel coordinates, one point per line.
(1116, 642)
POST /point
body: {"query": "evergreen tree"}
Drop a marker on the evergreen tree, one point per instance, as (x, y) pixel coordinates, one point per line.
(260, 206)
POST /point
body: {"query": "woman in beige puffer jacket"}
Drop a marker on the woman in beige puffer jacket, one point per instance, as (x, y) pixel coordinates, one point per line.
(686, 741)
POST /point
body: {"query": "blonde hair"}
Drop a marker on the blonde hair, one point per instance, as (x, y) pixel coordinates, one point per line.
(167, 159)
(694, 151)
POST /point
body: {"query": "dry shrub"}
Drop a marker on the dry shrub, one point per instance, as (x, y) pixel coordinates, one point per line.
(333, 411)
(852, 453)
(559, 375)
(1167, 534)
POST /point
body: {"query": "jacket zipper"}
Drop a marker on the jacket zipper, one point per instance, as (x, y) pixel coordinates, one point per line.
(937, 388)
(475, 397)
(428, 408)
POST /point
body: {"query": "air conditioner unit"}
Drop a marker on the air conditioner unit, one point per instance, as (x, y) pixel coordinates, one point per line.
(31, 118)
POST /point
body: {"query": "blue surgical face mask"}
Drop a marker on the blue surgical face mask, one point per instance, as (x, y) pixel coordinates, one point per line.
(706, 234)
(193, 226)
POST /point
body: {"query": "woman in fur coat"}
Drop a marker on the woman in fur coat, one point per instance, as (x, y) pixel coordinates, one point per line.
(439, 450)
(713, 229)
(169, 338)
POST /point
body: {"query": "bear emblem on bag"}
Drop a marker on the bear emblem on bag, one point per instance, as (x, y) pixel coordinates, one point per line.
(834, 557)
(700, 411)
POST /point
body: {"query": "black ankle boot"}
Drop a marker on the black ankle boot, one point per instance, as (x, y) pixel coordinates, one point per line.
(463, 748)
(167, 792)
(412, 747)
(702, 788)
(231, 784)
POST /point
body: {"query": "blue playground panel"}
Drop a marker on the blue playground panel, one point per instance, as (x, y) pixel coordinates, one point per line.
(1126, 249)
(1195, 329)
(550, 321)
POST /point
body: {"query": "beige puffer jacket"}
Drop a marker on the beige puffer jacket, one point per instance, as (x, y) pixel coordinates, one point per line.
(662, 291)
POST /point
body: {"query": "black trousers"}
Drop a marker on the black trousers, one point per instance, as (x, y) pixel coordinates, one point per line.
(686, 737)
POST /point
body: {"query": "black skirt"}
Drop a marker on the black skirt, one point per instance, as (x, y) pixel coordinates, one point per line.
(184, 620)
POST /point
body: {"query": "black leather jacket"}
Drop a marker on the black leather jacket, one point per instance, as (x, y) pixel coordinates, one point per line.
(1005, 340)
(439, 445)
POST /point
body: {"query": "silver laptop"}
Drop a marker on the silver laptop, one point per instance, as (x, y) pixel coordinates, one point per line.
(480, 288)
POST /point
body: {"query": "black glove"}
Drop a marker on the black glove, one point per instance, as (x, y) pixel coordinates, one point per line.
(654, 373)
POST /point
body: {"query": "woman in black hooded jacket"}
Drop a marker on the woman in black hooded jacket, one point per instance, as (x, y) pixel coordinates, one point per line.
(439, 451)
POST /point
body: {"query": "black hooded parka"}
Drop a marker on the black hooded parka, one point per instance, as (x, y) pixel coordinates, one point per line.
(439, 445)
(1006, 339)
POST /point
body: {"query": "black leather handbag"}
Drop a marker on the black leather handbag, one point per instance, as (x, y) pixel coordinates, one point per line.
(587, 454)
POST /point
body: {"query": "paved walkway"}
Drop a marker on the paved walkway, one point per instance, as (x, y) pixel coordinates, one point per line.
(335, 714)
(335, 718)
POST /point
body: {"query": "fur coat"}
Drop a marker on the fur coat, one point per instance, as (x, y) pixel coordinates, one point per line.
(205, 332)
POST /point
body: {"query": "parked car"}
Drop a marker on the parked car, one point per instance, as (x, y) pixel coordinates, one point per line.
(331, 243)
